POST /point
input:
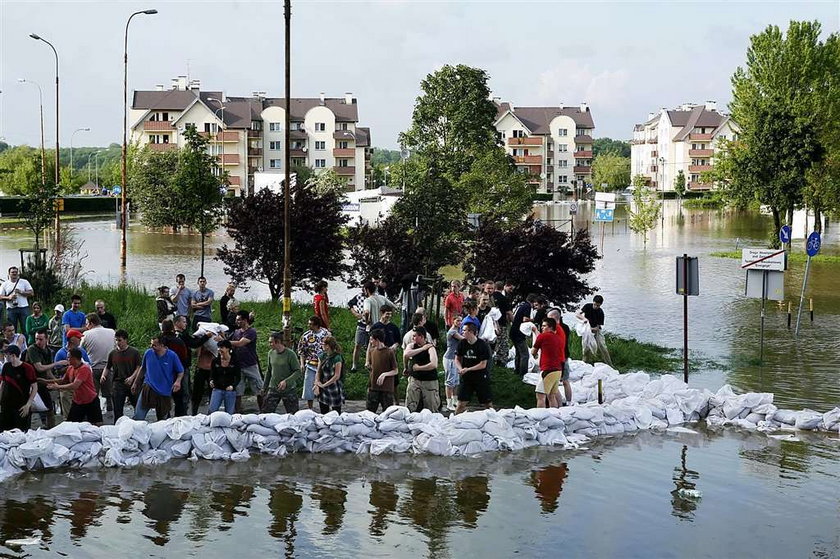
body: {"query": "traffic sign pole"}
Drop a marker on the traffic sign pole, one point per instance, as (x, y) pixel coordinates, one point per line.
(812, 247)
(763, 300)
(685, 319)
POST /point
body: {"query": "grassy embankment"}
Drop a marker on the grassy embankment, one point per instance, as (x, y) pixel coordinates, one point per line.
(135, 311)
(799, 257)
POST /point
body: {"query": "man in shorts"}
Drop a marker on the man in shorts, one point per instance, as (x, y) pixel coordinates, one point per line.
(453, 379)
(551, 346)
(472, 360)
(382, 363)
(79, 379)
(357, 307)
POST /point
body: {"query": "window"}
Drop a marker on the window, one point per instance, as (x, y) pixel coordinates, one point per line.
(275, 163)
(320, 127)
(562, 132)
(320, 163)
(159, 117)
(562, 163)
(343, 163)
(500, 136)
(518, 133)
(343, 126)
(297, 126)
(275, 146)
(695, 178)
(582, 132)
(563, 147)
(562, 178)
(275, 127)
(321, 145)
(343, 145)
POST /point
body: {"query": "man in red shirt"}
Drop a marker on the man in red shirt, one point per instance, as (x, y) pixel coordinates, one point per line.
(85, 406)
(18, 387)
(551, 343)
(453, 304)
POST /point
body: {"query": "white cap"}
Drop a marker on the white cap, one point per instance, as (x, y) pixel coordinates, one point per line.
(59, 307)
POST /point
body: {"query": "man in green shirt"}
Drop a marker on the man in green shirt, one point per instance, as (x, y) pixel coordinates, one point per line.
(40, 357)
(283, 378)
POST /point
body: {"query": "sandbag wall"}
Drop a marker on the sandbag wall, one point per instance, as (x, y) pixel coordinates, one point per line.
(633, 402)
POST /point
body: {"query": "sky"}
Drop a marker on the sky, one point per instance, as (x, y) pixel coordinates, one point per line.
(625, 59)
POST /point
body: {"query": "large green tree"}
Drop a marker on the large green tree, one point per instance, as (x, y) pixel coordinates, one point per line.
(608, 145)
(152, 189)
(494, 189)
(612, 170)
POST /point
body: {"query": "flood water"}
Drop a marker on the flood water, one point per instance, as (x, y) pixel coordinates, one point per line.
(619, 498)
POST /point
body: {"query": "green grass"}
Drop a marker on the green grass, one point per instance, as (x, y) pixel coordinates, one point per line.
(703, 203)
(799, 257)
(135, 310)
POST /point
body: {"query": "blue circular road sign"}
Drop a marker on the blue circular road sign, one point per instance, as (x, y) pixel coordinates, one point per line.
(812, 246)
(784, 234)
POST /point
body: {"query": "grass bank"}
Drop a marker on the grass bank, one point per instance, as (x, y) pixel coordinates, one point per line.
(135, 311)
(703, 203)
(798, 257)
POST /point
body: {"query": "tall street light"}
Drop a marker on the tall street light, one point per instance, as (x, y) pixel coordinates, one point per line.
(71, 147)
(57, 166)
(662, 209)
(123, 216)
(287, 270)
(43, 151)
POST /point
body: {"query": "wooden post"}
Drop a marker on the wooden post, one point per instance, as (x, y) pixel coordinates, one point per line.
(789, 315)
(600, 391)
(811, 309)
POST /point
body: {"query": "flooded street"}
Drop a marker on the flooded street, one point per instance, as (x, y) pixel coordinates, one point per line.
(620, 497)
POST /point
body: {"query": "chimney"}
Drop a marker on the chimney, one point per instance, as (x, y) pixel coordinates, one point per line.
(348, 98)
(511, 107)
(651, 115)
(323, 99)
(195, 85)
(497, 100)
(584, 106)
(711, 106)
(159, 87)
(180, 83)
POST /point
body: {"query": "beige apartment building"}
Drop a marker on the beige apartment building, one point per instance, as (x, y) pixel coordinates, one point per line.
(247, 133)
(552, 144)
(683, 139)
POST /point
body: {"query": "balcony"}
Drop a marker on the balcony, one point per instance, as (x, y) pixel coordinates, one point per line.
(699, 186)
(536, 141)
(234, 180)
(701, 152)
(297, 134)
(652, 140)
(527, 159)
(583, 139)
(582, 170)
(584, 154)
(157, 125)
(345, 171)
(654, 153)
(653, 169)
(255, 152)
(226, 136)
(254, 133)
(699, 168)
(344, 152)
(344, 135)
(700, 137)
(229, 159)
(299, 153)
(163, 147)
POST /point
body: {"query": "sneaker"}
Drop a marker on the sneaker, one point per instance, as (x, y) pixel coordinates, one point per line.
(452, 404)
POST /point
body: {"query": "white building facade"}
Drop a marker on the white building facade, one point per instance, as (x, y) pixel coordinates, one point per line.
(683, 139)
(247, 133)
(552, 144)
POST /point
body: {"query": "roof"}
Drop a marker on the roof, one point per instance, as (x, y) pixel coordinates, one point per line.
(538, 119)
(362, 137)
(300, 106)
(696, 117)
(167, 100)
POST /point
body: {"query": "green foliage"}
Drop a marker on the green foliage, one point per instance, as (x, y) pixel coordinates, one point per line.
(452, 122)
(679, 183)
(385, 157)
(153, 192)
(608, 145)
(793, 256)
(712, 201)
(644, 211)
(494, 188)
(639, 181)
(194, 180)
(611, 169)
(327, 181)
(45, 282)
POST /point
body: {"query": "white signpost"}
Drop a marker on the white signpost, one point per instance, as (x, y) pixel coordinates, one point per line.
(604, 210)
(771, 265)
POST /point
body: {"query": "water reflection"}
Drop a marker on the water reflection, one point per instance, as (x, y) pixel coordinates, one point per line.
(285, 504)
(383, 499)
(472, 495)
(332, 500)
(163, 506)
(548, 484)
(683, 506)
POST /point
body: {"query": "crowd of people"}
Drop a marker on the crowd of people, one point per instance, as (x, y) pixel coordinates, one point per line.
(80, 364)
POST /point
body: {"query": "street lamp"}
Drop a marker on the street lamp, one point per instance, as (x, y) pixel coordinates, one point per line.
(662, 209)
(57, 165)
(215, 113)
(96, 158)
(71, 147)
(123, 216)
(41, 110)
(287, 269)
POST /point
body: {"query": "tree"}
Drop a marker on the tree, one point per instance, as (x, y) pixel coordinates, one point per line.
(679, 183)
(536, 258)
(327, 181)
(495, 189)
(153, 191)
(645, 210)
(611, 169)
(255, 223)
(453, 118)
(608, 145)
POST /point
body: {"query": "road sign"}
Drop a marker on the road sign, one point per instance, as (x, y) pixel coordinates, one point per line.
(763, 259)
(692, 269)
(812, 246)
(117, 189)
(784, 234)
(573, 207)
(771, 287)
(602, 205)
(603, 214)
(605, 196)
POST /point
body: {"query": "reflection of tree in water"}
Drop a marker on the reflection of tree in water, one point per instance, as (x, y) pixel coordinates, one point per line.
(285, 504)
(85, 511)
(383, 499)
(472, 495)
(548, 484)
(164, 505)
(430, 507)
(228, 502)
(681, 507)
(22, 520)
(788, 456)
(331, 501)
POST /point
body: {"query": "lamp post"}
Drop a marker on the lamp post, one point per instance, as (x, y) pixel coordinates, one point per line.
(96, 158)
(123, 216)
(41, 110)
(221, 108)
(88, 164)
(57, 165)
(71, 147)
(662, 209)
(287, 270)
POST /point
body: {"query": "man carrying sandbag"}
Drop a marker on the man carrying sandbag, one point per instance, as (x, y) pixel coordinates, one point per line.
(593, 314)
(160, 375)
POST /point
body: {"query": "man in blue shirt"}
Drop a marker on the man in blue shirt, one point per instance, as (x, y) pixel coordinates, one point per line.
(182, 296)
(74, 318)
(160, 375)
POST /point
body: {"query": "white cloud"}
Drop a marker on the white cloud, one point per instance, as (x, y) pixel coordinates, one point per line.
(572, 82)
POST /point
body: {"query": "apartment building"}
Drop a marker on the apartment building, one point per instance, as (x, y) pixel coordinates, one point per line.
(683, 139)
(552, 144)
(247, 133)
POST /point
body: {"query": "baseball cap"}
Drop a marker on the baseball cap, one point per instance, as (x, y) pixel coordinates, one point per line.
(73, 334)
(59, 308)
(12, 350)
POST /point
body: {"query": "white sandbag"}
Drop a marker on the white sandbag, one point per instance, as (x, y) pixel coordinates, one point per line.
(219, 419)
(807, 420)
(787, 417)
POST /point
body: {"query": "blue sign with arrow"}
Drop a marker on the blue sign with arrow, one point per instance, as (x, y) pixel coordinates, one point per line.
(784, 234)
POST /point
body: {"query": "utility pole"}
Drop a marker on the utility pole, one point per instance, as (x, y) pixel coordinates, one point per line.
(287, 269)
